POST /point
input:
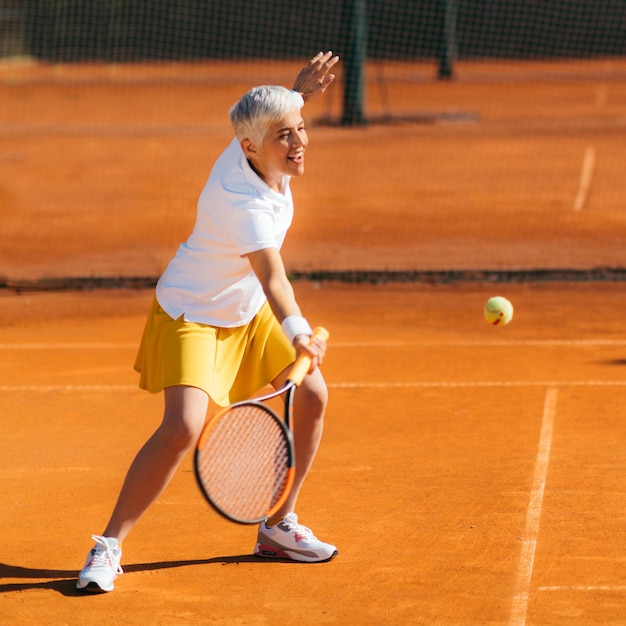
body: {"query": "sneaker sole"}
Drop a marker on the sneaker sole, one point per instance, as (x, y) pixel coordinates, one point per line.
(272, 552)
(93, 587)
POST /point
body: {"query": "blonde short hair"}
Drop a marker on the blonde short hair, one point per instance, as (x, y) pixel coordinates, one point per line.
(252, 116)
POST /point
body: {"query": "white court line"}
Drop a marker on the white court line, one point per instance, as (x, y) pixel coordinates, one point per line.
(69, 388)
(584, 588)
(8, 473)
(529, 543)
(375, 385)
(504, 383)
(349, 344)
(479, 343)
(586, 176)
(67, 346)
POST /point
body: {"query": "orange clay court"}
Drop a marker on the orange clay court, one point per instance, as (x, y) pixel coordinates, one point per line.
(468, 474)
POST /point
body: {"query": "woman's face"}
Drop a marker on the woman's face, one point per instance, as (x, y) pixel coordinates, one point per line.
(282, 151)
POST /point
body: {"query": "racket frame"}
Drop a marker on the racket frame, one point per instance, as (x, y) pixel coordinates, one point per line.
(294, 378)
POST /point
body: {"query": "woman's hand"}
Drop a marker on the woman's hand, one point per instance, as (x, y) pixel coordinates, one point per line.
(314, 78)
(315, 348)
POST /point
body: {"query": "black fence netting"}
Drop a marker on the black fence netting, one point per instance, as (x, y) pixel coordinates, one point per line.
(460, 140)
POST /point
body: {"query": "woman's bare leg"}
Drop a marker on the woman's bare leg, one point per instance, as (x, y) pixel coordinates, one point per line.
(156, 462)
(310, 403)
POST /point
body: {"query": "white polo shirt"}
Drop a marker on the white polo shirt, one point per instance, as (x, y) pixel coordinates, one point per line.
(208, 280)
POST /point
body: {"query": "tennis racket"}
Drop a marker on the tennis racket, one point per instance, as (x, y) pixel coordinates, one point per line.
(244, 459)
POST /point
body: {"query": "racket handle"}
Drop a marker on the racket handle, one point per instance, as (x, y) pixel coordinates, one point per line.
(303, 362)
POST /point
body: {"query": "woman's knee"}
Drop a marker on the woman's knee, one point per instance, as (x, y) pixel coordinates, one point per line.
(184, 416)
(313, 394)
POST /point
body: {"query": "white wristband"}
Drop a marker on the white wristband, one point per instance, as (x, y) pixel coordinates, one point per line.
(299, 100)
(295, 325)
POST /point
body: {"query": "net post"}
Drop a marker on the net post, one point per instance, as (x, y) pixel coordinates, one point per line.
(448, 50)
(354, 58)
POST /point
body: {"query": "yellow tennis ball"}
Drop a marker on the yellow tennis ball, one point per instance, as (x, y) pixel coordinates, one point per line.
(498, 311)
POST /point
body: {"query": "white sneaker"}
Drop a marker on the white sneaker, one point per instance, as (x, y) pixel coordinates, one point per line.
(290, 540)
(102, 566)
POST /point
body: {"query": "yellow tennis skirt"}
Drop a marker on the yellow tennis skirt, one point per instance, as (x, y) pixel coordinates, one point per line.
(230, 364)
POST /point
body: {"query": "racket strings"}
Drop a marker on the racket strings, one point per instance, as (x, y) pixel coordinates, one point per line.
(244, 462)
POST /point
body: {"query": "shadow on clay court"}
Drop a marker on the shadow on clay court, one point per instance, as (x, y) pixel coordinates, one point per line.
(621, 362)
(67, 585)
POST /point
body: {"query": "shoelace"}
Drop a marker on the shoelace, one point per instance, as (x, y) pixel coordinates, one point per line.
(291, 521)
(103, 555)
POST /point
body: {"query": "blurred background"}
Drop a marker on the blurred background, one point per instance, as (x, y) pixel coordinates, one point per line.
(461, 139)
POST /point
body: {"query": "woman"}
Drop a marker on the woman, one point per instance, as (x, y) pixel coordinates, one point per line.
(225, 321)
